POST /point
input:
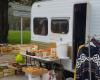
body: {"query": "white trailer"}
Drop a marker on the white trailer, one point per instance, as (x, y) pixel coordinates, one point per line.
(65, 22)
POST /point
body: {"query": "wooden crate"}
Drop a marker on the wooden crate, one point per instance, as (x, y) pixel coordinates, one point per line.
(1, 74)
(34, 70)
(8, 72)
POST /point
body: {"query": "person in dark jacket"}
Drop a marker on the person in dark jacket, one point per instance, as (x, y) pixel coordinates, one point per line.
(83, 69)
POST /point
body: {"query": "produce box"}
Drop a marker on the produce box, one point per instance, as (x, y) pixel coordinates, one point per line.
(34, 70)
(8, 72)
(1, 71)
(1, 74)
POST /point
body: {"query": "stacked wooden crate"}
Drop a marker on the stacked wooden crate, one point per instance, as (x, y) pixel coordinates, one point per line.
(8, 72)
(5, 71)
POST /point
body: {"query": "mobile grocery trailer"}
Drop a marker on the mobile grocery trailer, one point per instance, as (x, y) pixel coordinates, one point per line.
(65, 22)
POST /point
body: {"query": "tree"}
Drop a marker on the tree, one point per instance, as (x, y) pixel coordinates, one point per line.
(4, 27)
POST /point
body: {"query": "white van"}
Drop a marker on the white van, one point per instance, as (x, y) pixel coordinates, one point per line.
(66, 22)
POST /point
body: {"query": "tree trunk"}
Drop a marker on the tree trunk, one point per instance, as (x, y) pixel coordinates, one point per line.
(4, 27)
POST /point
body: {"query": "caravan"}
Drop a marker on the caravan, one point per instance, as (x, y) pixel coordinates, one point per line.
(68, 23)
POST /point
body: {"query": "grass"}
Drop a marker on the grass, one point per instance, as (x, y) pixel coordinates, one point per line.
(14, 37)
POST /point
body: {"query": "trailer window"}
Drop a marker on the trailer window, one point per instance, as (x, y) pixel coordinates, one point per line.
(40, 26)
(60, 26)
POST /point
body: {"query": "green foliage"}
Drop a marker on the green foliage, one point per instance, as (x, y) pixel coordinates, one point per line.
(14, 37)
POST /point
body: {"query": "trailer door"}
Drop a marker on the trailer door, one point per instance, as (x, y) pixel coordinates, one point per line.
(79, 28)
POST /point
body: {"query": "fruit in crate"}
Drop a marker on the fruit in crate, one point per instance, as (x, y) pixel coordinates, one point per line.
(35, 70)
(29, 69)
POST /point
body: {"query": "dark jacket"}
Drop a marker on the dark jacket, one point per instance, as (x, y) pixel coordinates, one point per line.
(82, 63)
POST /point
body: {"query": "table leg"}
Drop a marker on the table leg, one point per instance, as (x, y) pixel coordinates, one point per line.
(26, 61)
(30, 61)
(1, 51)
